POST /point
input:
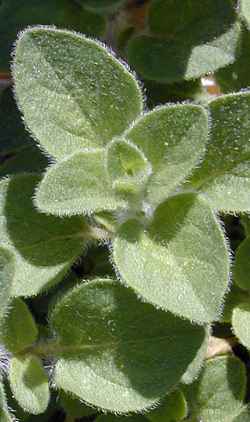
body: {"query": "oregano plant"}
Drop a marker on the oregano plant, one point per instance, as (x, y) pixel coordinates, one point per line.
(124, 246)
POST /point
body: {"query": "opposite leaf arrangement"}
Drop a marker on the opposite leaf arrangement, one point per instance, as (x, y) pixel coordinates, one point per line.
(149, 185)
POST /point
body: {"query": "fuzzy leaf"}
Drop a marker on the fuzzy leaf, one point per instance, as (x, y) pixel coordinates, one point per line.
(29, 384)
(219, 392)
(173, 140)
(5, 416)
(241, 323)
(180, 263)
(44, 246)
(77, 185)
(178, 53)
(128, 168)
(194, 368)
(224, 175)
(118, 353)
(244, 416)
(15, 15)
(19, 329)
(242, 265)
(7, 269)
(245, 11)
(73, 93)
(236, 76)
(173, 408)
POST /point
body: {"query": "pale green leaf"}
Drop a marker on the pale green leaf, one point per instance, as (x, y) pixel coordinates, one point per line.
(44, 247)
(173, 140)
(172, 408)
(118, 353)
(224, 175)
(77, 185)
(242, 265)
(217, 396)
(244, 416)
(128, 168)
(29, 384)
(194, 368)
(191, 39)
(245, 11)
(19, 329)
(241, 323)
(72, 91)
(180, 263)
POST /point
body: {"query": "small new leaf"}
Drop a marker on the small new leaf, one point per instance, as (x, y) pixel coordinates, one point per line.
(127, 167)
(72, 91)
(29, 384)
(180, 263)
(116, 352)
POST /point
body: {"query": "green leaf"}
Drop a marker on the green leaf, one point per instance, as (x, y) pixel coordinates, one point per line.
(245, 221)
(173, 408)
(244, 416)
(7, 269)
(241, 323)
(15, 15)
(224, 175)
(73, 93)
(29, 384)
(242, 265)
(5, 416)
(18, 152)
(77, 185)
(180, 263)
(74, 407)
(173, 140)
(245, 11)
(194, 368)
(128, 168)
(234, 77)
(19, 329)
(193, 38)
(219, 392)
(118, 353)
(44, 246)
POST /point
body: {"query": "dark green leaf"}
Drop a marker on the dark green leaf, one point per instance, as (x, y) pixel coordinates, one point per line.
(116, 352)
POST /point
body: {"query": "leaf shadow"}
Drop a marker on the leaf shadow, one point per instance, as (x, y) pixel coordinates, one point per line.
(40, 239)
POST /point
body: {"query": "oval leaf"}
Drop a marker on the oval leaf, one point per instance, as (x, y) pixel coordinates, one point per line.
(118, 353)
(241, 323)
(73, 93)
(29, 384)
(180, 263)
